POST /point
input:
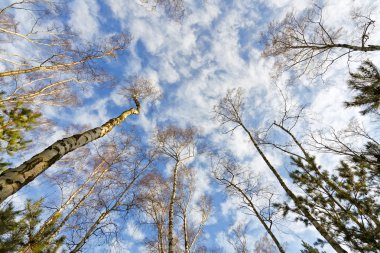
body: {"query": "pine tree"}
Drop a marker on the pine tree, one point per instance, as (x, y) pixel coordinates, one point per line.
(10, 237)
(366, 82)
(13, 180)
(18, 230)
(15, 120)
(346, 202)
(309, 249)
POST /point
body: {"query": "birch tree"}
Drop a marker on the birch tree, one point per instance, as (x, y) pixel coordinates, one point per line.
(42, 60)
(192, 227)
(115, 195)
(13, 180)
(104, 161)
(244, 184)
(178, 145)
(307, 44)
(190, 214)
(338, 202)
(168, 203)
(229, 112)
(153, 201)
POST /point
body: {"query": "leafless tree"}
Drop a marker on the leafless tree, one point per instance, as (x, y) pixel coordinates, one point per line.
(178, 145)
(42, 60)
(13, 180)
(153, 201)
(306, 43)
(191, 230)
(238, 238)
(113, 191)
(244, 184)
(229, 112)
(264, 245)
(168, 203)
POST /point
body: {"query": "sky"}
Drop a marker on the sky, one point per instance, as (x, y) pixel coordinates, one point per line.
(217, 46)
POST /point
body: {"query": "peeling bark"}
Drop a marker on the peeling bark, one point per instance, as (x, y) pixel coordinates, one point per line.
(13, 180)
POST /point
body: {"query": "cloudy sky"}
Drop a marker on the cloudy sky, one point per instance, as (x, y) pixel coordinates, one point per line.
(217, 46)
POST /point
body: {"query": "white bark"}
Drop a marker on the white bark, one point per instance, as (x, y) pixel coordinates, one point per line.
(13, 180)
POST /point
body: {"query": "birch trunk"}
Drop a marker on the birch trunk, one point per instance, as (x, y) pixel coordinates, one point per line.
(161, 246)
(368, 48)
(104, 214)
(13, 180)
(334, 244)
(185, 236)
(63, 66)
(171, 210)
(257, 214)
(76, 207)
(54, 217)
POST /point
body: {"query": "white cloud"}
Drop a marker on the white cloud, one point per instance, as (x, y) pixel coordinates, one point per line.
(84, 18)
(134, 231)
(195, 62)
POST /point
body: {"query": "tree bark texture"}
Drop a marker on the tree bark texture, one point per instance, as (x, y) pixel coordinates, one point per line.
(13, 180)
(171, 210)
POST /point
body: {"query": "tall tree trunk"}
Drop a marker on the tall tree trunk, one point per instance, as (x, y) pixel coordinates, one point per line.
(333, 185)
(368, 48)
(13, 180)
(336, 246)
(171, 210)
(54, 217)
(185, 235)
(257, 214)
(161, 247)
(76, 207)
(107, 211)
(62, 66)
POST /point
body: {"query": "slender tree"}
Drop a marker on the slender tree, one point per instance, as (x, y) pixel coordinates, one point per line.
(191, 230)
(178, 145)
(242, 183)
(13, 180)
(123, 201)
(238, 238)
(264, 245)
(229, 111)
(153, 202)
(306, 43)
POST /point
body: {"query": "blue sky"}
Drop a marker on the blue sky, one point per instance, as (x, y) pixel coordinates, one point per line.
(216, 47)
